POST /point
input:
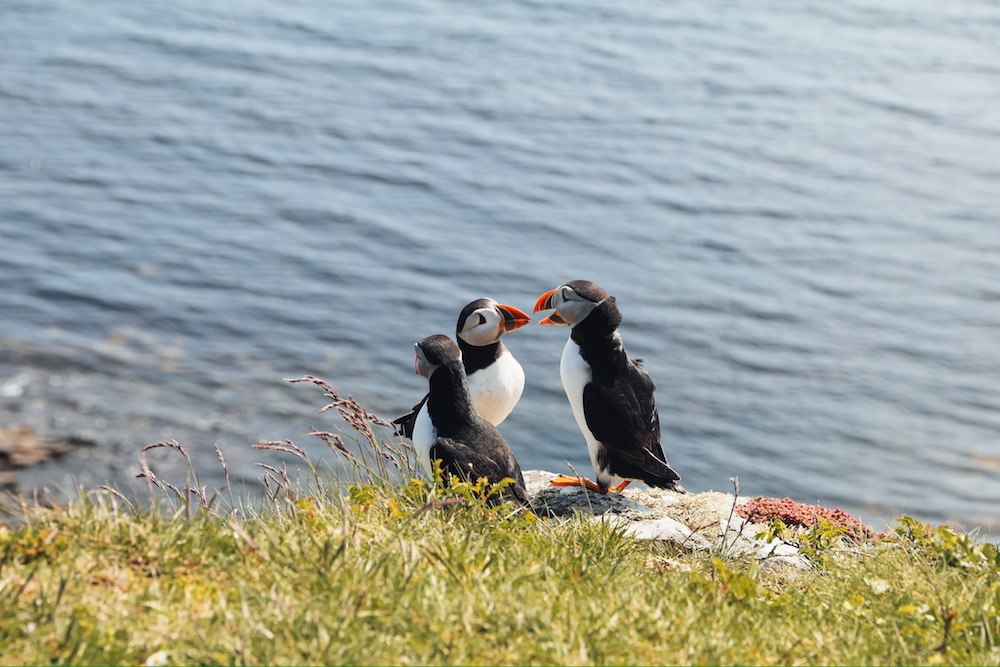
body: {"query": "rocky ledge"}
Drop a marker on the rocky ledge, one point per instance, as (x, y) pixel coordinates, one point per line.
(706, 521)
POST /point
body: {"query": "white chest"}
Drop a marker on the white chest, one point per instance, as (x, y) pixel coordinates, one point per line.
(424, 435)
(496, 389)
(576, 374)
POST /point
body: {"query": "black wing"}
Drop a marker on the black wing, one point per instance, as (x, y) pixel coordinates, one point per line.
(404, 424)
(470, 464)
(622, 415)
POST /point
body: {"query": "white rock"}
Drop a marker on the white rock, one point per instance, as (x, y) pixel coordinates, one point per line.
(667, 530)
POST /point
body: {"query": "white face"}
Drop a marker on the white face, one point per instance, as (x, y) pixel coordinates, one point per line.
(482, 327)
(421, 365)
(572, 307)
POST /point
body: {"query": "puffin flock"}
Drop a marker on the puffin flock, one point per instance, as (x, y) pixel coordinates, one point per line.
(475, 383)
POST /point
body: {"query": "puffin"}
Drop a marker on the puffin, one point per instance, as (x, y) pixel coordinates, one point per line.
(611, 394)
(495, 377)
(448, 429)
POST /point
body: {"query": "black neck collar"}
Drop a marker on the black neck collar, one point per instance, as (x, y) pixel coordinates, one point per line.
(477, 358)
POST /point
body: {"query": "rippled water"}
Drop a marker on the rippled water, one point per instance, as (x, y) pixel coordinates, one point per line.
(796, 206)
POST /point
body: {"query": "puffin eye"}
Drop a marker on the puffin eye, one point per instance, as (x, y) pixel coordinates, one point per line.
(482, 319)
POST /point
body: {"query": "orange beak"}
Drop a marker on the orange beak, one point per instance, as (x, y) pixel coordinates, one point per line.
(545, 303)
(512, 317)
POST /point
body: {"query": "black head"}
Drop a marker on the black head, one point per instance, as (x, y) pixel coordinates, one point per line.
(433, 352)
(484, 322)
(589, 291)
(578, 301)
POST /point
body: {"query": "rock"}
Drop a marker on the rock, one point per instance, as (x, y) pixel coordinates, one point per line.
(567, 501)
(778, 563)
(668, 530)
(792, 513)
(21, 448)
(706, 521)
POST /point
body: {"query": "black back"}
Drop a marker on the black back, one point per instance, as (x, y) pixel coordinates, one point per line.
(467, 445)
(618, 401)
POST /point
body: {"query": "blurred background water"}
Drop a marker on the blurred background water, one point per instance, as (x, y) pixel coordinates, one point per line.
(796, 206)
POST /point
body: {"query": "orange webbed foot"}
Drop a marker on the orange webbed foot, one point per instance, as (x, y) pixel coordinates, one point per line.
(563, 480)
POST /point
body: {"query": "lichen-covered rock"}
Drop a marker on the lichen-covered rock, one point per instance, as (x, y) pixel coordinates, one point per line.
(792, 513)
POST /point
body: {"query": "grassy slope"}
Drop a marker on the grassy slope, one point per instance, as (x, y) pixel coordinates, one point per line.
(413, 574)
(384, 577)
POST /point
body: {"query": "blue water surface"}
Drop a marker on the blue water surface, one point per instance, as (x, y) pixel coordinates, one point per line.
(796, 206)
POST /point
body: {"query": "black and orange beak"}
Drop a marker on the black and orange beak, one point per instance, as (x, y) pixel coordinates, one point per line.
(512, 317)
(545, 303)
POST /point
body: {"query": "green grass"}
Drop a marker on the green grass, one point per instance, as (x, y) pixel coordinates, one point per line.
(409, 573)
(409, 577)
